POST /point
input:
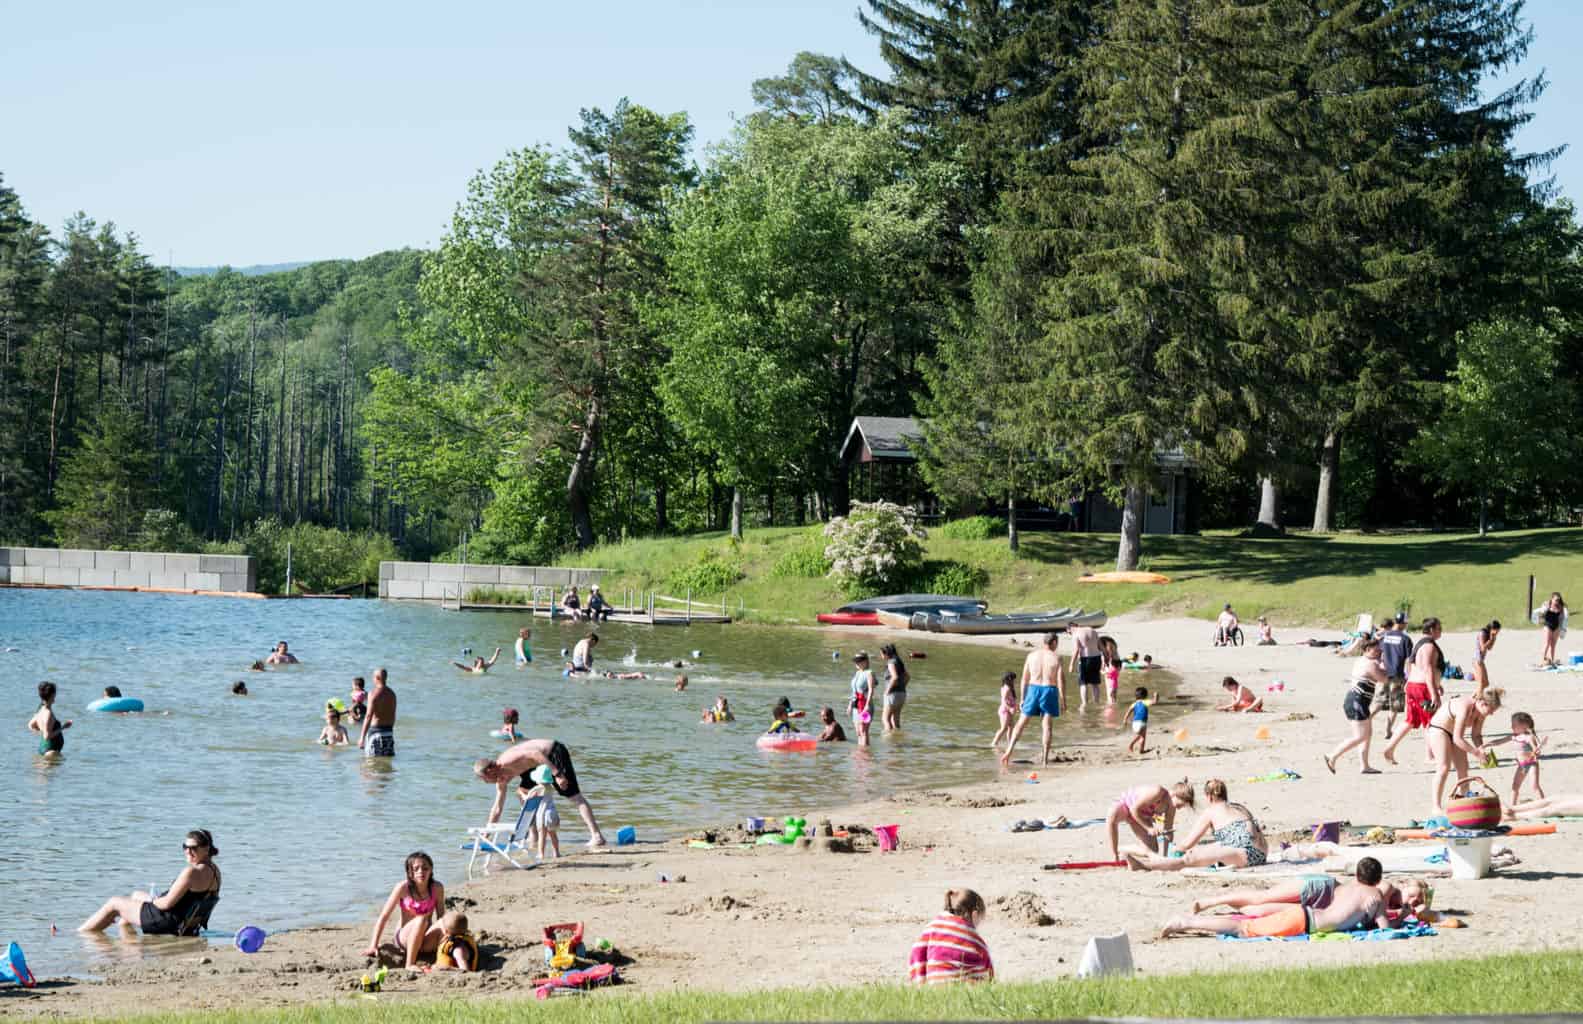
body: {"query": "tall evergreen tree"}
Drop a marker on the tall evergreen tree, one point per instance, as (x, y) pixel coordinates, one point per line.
(24, 271)
(104, 486)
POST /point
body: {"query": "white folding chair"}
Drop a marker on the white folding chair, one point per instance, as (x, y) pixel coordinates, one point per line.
(1365, 625)
(501, 840)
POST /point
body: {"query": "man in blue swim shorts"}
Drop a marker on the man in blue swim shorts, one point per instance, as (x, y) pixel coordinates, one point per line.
(1043, 686)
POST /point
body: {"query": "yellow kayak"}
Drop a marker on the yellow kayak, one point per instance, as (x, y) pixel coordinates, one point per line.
(1124, 577)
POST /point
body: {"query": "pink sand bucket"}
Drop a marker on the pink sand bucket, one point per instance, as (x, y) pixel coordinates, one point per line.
(886, 834)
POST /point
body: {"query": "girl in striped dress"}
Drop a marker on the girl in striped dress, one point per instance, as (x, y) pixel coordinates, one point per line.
(950, 948)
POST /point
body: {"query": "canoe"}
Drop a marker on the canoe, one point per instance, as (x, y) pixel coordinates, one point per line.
(1124, 577)
(896, 620)
(931, 621)
(1024, 622)
(906, 604)
(848, 618)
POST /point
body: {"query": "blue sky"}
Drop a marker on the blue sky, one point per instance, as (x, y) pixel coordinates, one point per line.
(294, 130)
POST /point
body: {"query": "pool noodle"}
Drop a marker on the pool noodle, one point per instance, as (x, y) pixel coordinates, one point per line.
(1535, 828)
(1084, 865)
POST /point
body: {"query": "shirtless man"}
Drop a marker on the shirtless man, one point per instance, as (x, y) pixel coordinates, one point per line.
(521, 760)
(1043, 680)
(1085, 663)
(1352, 905)
(583, 654)
(281, 656)
(378, 738)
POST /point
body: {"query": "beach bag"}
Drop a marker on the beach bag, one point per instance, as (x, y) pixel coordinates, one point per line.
(1471, 811)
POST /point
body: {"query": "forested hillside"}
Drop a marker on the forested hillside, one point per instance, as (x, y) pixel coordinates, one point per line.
(1296, 243)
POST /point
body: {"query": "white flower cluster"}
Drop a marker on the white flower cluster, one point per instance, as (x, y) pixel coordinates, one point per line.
(876, 545)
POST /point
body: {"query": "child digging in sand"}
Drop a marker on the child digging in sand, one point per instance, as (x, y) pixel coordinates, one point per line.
(1242, 698)
(950, 950)
(458, 950)
(1139, 714)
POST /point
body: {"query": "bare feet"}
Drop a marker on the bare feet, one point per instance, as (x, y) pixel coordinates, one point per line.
(1198, 907)
(1175, 926)
(1389, 759)
(1135, 861)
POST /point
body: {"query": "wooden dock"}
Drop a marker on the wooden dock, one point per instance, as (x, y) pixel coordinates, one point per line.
(640, 609)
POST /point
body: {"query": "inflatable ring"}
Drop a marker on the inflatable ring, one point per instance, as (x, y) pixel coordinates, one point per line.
(796, 742)
(116, 705)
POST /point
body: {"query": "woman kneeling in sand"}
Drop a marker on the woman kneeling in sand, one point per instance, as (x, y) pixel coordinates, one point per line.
(1236, 839)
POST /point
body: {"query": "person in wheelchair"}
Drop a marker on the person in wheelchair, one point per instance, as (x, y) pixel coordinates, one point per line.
(1227, 630)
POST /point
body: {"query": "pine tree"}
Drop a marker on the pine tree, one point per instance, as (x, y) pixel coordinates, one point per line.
(104, 485)
(24, 270)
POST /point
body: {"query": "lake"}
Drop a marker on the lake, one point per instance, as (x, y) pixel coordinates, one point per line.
(313, 835)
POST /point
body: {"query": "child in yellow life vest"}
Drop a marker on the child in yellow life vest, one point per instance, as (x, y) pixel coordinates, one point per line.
(458, 950)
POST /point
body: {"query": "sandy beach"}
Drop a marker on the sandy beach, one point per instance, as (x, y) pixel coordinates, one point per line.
(854, 915)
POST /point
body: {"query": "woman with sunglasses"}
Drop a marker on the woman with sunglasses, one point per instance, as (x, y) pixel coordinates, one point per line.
(183, 909)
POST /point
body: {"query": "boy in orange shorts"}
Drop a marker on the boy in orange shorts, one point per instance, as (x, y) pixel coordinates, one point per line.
(1353, 905)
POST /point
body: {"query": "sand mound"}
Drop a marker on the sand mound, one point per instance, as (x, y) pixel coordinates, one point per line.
(1023, 908)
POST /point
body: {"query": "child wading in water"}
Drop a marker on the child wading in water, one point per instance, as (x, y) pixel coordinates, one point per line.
(1139, 714)
(334, 733)
(51, 730)
(1528, 745)
(1008, 707)
(509, 720)
(950, 948)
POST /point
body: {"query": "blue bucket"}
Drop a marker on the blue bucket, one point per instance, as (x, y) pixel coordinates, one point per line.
(250, 939)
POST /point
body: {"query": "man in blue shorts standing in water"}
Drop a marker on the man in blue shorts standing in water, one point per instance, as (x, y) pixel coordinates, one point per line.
(1043, 686)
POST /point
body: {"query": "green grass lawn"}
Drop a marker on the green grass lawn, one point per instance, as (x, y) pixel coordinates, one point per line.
(1513, 984)
(1303, 580)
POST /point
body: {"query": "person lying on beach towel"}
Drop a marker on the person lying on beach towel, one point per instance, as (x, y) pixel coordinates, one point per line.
(1350, 905)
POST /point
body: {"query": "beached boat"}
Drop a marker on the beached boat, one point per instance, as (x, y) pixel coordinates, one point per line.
(1124, 576)
(1017, 622)
(906, 604)
(848, 618)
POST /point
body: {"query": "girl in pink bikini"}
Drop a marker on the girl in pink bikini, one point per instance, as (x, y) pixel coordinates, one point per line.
(421, 901)
(1139, 806)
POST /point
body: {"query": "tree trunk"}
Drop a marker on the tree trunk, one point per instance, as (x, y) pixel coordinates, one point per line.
(769, 505)
(1484, 512)
(1325, 500)
(1131, 530)
(736, 513)
(662, 520)
(579, 482)
(1011, 526)
(1269, 503)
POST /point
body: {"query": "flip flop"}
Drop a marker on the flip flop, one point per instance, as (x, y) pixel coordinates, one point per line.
(1370, 771)
(1330, 764)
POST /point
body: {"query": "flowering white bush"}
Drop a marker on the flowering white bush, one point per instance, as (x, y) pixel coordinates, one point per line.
(878, 545)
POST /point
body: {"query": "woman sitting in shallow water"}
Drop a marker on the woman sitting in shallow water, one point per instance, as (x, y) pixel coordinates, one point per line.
(1235, 838)
(183, 909)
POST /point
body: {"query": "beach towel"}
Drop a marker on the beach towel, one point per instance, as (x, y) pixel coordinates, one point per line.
(1408, 931)
(1279, 775)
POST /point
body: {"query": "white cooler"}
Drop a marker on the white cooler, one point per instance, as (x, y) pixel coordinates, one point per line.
(1470, 858)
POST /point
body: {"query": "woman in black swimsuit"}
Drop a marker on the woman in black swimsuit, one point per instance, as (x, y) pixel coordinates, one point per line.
(183, 909)
(1448, 736)
(1551, 617)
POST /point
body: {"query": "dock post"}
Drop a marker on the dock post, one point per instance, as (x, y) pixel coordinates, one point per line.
(689, 606)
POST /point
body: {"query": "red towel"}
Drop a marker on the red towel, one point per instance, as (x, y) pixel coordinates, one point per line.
(949, 950)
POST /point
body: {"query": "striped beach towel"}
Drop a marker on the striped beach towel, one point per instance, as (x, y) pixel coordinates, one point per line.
(949, 950)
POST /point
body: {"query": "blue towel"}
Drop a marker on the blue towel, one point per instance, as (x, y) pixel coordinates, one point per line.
(1408, 931)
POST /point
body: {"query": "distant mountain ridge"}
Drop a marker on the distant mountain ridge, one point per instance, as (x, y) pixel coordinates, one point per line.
(256, 270)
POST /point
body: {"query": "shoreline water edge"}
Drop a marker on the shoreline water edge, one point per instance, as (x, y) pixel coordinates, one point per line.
(705, 917)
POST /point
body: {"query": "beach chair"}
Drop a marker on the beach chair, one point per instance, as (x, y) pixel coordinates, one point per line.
(1365, 626)
(499, 840)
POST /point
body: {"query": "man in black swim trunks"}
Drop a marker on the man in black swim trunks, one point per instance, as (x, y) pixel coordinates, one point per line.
(520, 760)
(1086, 662)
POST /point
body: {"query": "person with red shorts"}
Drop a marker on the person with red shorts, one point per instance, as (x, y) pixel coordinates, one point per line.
(1423, 685)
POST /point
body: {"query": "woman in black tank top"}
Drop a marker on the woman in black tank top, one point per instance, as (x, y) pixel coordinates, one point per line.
(183, 909)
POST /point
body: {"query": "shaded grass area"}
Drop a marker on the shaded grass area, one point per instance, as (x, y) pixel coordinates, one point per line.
(1305, 579)
(1511, 984)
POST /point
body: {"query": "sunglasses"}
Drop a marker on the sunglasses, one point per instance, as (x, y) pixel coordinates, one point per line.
(190, 846)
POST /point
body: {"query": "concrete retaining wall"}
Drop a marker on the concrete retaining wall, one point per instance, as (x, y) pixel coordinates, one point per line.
(75, 567)
(432, 581)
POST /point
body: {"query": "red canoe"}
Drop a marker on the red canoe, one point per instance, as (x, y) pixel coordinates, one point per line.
(849, 618)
